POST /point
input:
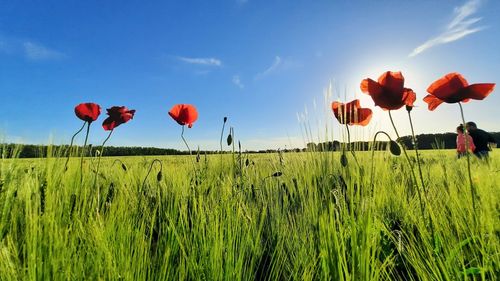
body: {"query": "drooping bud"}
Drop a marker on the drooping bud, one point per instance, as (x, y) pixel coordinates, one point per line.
(343, 160)
(394, 148)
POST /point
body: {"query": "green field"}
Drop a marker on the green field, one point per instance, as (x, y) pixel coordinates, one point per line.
(294, 216)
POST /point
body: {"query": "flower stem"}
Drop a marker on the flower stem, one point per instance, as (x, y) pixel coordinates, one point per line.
(372, 168)
(149, 171)
(83, 152)
(349, 145)
(97, 169)
(414, 178)
(185, 142)
(71, 145)
(415, 145)
(221, 136)
(472, 189)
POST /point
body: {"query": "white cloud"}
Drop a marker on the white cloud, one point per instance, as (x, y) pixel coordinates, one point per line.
(274, 66)
(201, 61)
(237, 81)
(459, 27)
(37, 52)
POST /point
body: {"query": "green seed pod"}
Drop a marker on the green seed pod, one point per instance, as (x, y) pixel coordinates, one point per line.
(229, 139)
(394, 148)
(343, 160)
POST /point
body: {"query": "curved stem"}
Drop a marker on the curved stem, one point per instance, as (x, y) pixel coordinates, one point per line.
(149, 171)
(71, 145)
(414, 178)
(472, 189)
(221, 137)
(98, 165)
(83, 152)
(415, 145)
(349, 145)
(372, 168)
(185, 142)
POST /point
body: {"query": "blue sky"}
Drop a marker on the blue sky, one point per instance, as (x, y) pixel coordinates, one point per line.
(273, 67)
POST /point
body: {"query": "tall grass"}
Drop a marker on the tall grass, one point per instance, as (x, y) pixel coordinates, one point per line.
(292, 216)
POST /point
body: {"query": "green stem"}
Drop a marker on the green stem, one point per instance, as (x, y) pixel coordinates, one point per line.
(185, 142)
(472, 189)
(349, 145)
(71, 145)
(149, 171)
(415, 146)
(83, 152)
(372, 167)
(98, 165)
(414, 178)
(221, 148)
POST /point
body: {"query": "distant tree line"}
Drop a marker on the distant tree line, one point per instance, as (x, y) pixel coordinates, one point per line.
(424, 141)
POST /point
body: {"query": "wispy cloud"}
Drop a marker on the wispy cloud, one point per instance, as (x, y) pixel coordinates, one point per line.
(201, 61)
(237, 81)
(460, 26)
(279, 64)
(38, 52)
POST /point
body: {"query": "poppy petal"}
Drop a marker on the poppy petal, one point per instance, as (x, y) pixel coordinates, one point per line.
(478, 91)
(447, 86)
(432, 102)
(409, 97)
(392, 81)
(109, 124)
(368, 86)
(364, 116)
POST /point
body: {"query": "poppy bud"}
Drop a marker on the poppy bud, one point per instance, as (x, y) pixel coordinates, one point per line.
(277, 174)
(394, 148)
(124, 167)
(225, 119)
(247, 162)
(343, 160)
(159, 176)
(229, 139)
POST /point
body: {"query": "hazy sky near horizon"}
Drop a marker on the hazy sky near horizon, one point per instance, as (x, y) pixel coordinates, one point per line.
(272, 67)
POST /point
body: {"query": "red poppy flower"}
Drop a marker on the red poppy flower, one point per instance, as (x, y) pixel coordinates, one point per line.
(389, 92)
(453, 88)
(184, 114)
(88, 112)
(351, 113)
(117, 116)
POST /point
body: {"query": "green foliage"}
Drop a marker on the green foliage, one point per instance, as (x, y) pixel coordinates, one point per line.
(282, 216)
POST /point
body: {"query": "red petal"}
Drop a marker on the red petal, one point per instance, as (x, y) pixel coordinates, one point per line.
(432, 101)
(392, 81)
(364, 116)
(478, 91)
(109, 124)
(368, 86)
(409, 97)
(447, 86)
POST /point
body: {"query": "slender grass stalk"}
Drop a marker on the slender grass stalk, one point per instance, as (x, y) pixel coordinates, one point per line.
(221, 137)
(71, 145)
(471, 185)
